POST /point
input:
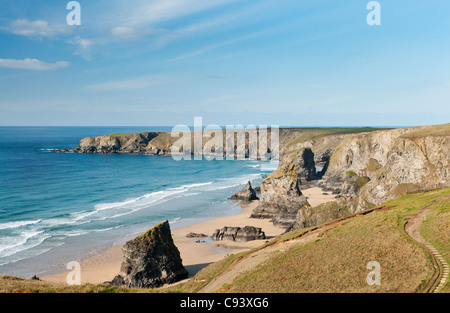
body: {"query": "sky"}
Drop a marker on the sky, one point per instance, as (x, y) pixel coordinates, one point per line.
(265, 62)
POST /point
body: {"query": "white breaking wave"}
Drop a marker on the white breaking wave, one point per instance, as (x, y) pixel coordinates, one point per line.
(233, 182)
(15, 246)
(18, 224)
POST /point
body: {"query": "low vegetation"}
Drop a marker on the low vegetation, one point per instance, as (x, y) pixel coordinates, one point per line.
(336, 261)
(434, 130)
(11, 284)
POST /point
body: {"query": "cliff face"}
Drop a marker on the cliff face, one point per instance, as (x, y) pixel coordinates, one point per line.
(321, 141)
(281, 197)
(132, 143)
(383, 165)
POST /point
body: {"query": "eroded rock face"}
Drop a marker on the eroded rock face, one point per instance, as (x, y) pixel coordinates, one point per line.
(151, 260)
(321, 214)
(281, 197)
(246, 233)
(132, 143)
(246, 194)
(101, 144)
(386, 164)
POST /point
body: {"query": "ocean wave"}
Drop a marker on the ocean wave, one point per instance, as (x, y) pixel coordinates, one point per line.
(20, 243)
(231, 182)
(11, 225)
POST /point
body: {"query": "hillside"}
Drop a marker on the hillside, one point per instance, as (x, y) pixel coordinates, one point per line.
(333, 258)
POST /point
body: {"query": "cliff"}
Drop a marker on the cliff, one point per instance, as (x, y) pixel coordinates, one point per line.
(382, 165)
(322, 141)
(281, 197)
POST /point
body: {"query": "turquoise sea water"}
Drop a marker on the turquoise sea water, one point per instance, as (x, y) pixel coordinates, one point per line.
(60, 207)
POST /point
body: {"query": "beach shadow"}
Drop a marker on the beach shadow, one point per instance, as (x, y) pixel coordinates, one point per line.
(195, 268)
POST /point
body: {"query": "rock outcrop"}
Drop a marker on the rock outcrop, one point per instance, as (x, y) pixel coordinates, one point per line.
(321, 214)
(213, 143)
(281, 197)
(196, 235)
(382, 165)
(131, 143)
(246, 233)
(246, 194)
(151, 260)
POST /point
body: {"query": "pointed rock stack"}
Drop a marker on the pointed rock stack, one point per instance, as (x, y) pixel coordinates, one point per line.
(151, 260)
(246, 194)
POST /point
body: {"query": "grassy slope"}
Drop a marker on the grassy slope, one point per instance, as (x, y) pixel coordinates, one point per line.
(337, 262)
(306, 134)
(436, 230)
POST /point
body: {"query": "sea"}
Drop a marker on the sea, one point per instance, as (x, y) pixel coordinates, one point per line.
(61, 207)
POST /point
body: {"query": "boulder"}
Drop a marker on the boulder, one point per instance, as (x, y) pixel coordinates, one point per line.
(247, 233)
(246, 194)
(151, 260)
(195, 235)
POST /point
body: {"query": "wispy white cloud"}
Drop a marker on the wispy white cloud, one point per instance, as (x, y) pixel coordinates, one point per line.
(129, 33)
(37, 28)
(145, 12)
(126, 33)
(32, 64)
(82, 47)
(127, 84)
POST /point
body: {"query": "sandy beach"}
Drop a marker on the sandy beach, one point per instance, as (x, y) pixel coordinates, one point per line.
(104, 266)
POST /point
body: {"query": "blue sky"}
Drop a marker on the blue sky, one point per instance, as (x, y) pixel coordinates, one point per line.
(162, 62)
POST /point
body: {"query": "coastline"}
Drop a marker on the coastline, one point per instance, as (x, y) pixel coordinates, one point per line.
(105, 265)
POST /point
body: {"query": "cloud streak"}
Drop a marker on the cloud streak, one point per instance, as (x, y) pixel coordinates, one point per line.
(37, 28)
(145, 13)
(32, 64)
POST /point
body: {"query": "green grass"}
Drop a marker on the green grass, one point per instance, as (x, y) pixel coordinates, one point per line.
(336, 263)
(436, 230)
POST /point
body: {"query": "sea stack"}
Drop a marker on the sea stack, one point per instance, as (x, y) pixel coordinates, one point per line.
(246, 194)
(151, 260)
